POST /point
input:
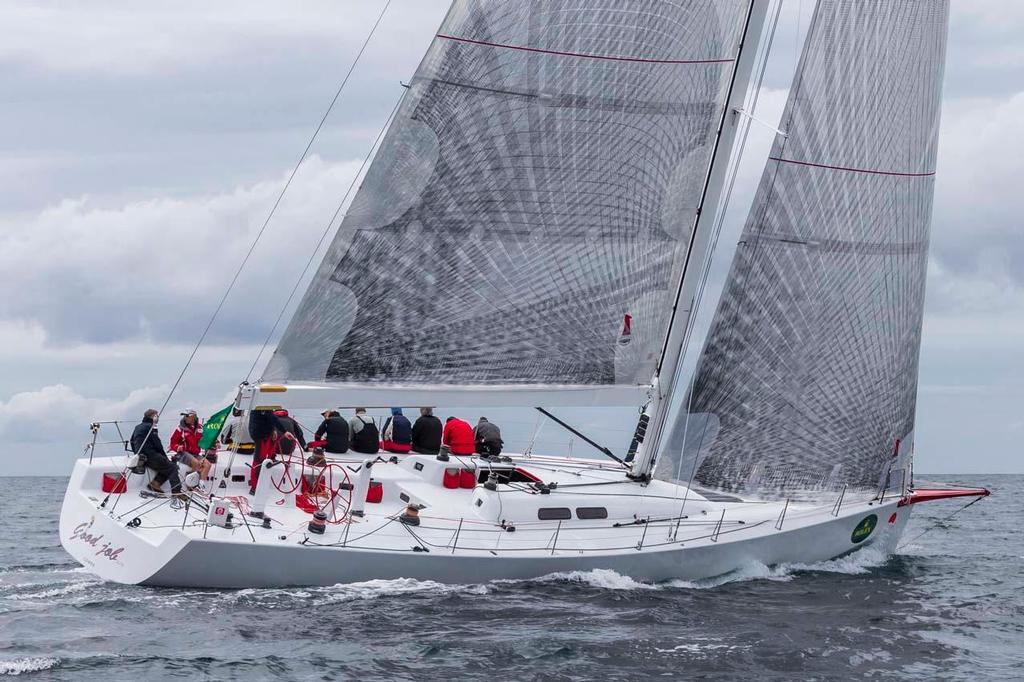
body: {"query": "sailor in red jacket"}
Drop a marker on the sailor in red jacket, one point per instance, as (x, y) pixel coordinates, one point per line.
(458, 436)
(185, 441)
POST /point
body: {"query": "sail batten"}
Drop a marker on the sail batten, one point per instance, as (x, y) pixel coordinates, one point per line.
(539, 184)
(808, 377)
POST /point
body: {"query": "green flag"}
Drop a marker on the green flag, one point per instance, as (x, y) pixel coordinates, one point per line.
(212, 427)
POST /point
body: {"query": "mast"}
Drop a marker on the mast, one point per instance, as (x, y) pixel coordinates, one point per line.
(663, 382)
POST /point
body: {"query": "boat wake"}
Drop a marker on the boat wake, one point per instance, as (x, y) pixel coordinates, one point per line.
(344, 592)
(863, 561)
(75, 589)
(860, 562)
(55, 589)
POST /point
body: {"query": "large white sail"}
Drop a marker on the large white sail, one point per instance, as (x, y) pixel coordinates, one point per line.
(809, 374)
(527, 217)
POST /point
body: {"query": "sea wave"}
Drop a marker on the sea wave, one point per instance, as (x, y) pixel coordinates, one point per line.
(859, 562)
(19, 666)
(345, 592)
(52, 567)
(61, 590)
(601, 578)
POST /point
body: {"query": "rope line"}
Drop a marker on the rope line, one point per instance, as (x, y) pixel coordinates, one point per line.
(936, 524)
(868, 171)
(126, 472)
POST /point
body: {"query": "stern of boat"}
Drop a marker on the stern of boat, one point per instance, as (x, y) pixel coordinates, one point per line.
(94, 534)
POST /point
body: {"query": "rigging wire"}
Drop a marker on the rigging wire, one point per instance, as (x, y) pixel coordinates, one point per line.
(252, 247)
(323, 235)
(273, 209)
(938, 523)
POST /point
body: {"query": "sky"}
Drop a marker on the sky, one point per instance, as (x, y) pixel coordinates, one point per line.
(142, 145)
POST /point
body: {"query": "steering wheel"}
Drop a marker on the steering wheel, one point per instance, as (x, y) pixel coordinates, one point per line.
(335, 482)
(288, 484)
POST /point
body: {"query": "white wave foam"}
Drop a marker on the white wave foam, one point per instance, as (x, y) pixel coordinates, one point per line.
(19, 666)
(701, 647)
(61, 591)
(753, 570)
(602, 578)
(859, 562)
(343, 592)
(375, 589)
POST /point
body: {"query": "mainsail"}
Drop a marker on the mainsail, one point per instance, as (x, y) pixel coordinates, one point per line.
(534, 197)
(808, 378)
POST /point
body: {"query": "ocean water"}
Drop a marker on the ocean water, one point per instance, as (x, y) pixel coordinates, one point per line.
(949, 605)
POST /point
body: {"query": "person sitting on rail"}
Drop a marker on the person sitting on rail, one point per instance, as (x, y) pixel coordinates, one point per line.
(332, 434)
(397, 432)
(426, 433)
(458, 436)
(185, 444)
(146, 444)
(488, 438)
(365, 436)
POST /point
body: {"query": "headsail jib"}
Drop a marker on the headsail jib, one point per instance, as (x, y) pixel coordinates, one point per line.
(537, 188)
(809, 374)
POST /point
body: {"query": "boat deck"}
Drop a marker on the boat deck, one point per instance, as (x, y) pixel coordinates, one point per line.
(539, 505)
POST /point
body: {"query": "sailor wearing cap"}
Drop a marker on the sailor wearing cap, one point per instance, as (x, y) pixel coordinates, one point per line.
(332, 434)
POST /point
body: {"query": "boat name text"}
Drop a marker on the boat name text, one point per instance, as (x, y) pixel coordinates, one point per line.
(82, 534)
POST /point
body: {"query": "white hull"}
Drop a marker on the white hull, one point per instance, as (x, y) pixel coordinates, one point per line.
(168, 549)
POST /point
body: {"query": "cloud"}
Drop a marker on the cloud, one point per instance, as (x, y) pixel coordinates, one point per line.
(154, 269)
(132, 38)
(978, 224)
(58, 414)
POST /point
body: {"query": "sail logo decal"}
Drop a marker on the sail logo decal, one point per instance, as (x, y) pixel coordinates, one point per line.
(82, 534)
(864, 529)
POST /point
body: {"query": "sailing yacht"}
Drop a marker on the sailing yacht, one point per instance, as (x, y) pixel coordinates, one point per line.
(535, 231)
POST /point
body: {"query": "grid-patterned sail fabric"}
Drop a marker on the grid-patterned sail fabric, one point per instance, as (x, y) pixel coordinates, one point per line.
(808, 378)
(538, 186)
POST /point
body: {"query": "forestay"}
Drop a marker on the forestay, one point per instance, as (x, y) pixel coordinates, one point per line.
(808, 378)
(526, 218)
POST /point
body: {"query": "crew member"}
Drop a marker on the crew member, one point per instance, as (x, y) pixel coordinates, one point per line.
(488, 438)
(458, 436)
(365, 436)
(146, 444)
(266, 432)
(332, 434)
(294, 433)
(426, 433)
(185, 444)
(397, 432)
